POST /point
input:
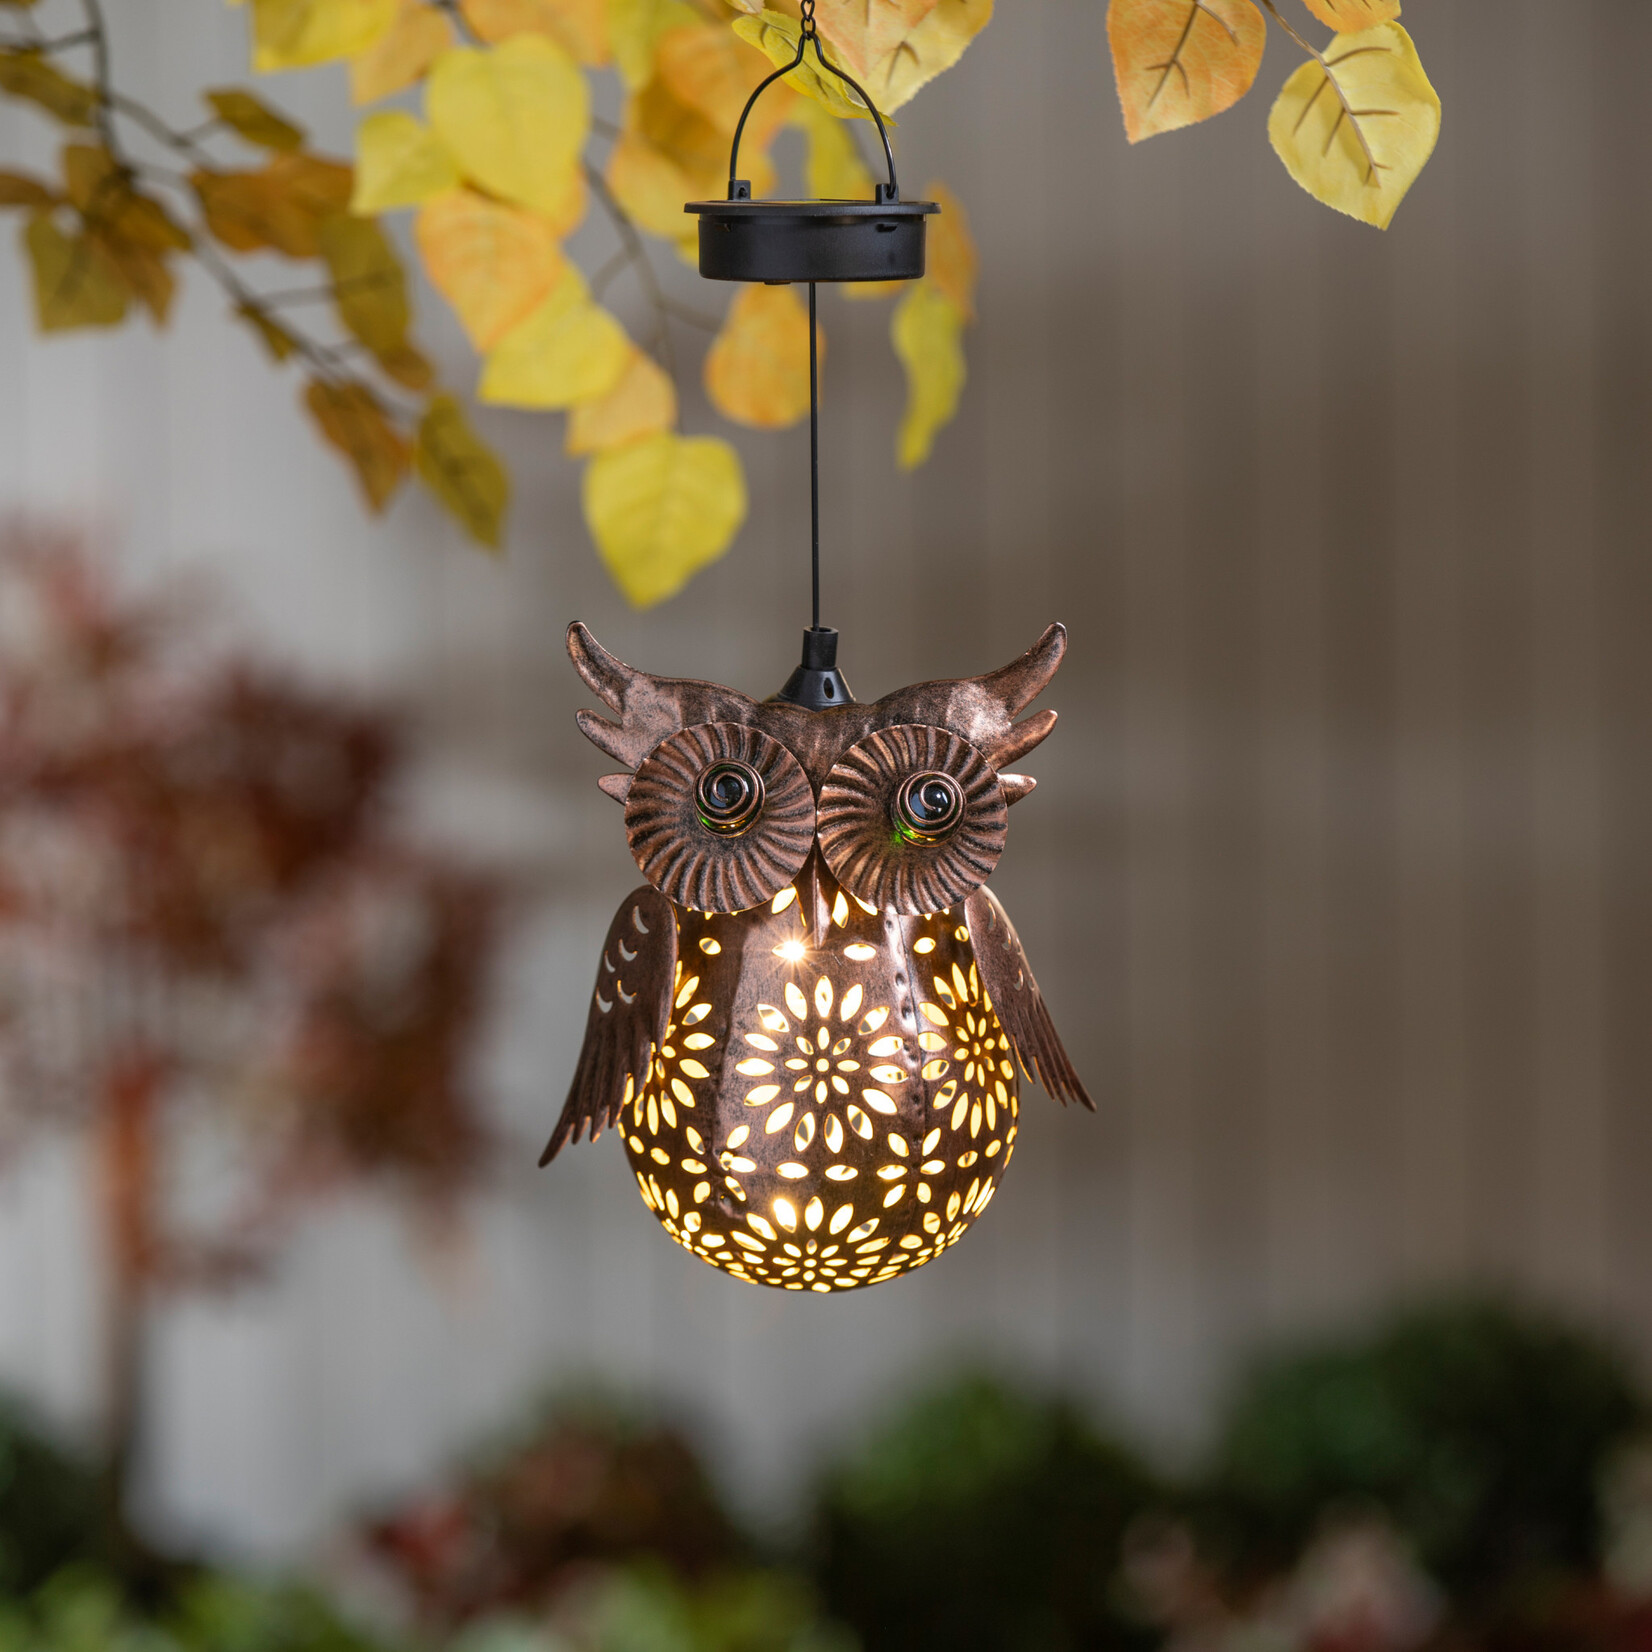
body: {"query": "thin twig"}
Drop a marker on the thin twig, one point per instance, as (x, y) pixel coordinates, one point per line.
(325, 360)
(44, 47)
(637, 254)
(462, 23)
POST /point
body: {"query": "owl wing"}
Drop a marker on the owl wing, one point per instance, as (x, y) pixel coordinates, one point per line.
(1008, 980)
(629, 1012)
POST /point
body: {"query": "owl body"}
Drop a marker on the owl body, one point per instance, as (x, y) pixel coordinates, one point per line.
(821, 1116)
(808, 1025)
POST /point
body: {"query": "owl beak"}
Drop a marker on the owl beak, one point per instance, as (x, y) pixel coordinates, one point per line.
(816, 890)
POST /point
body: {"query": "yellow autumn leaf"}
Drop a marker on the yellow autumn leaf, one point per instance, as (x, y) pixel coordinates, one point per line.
(757, 369)
(709, 69)
(864, 32)
(405, 364)
(567, 350)
(253, 119)
(668, 153)
(514, 116)
(894, 48)
(775, 35)
(681, 133)
(832, 167)
(109, 201)
(580, 27)
(271, 334)
(661, 508)
(1350, 16)
(495, 264)
(352, 420)
(927, 328)
(950, 259)
(634, 28)
(369, 284)
(27, 74)
(644, 401)
(652, 189)
(293, 34)
(1178, 62)
(17, 189)
(464, 473)
(76, 283)
(1356, 126)
(282, 206)
(399, 163)
(399, 57)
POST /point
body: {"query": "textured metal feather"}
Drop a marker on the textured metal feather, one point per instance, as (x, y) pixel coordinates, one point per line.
(630, 1007)
(1015, 997)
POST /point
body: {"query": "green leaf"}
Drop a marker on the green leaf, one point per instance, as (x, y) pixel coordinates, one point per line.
(463, 473)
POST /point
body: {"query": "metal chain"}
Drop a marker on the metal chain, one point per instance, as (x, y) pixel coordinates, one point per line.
(806, 14)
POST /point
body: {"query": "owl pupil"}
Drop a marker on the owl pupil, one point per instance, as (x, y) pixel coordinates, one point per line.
(933, 801)
(929, 808)
(730, 797)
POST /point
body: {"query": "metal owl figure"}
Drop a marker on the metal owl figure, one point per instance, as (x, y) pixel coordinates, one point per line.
(808, 1024)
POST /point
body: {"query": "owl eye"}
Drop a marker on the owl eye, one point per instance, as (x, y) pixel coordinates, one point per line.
(730, 797)
(719, 817)
(912, 818)
(929, 808)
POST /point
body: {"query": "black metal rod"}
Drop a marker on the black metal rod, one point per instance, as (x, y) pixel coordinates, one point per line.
(814, 458)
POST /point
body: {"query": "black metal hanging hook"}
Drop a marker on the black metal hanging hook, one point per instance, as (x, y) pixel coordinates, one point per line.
(746, 240)
(808, 32)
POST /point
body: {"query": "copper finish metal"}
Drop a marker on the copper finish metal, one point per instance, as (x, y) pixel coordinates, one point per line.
(695, 864)
(861, 830)
(818, 1090)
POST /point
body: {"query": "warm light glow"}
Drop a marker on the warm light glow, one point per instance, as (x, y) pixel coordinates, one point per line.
(873, 1131)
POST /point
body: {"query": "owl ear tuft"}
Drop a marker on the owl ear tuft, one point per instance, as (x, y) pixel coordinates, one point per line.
(650, 708)
(1016, 685)
(605, 674)
(1014, 743)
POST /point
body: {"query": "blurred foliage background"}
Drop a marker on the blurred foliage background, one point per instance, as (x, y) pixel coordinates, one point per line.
(1467, 1476)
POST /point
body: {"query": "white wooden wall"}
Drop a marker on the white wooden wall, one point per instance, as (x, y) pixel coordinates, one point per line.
(1337, 872)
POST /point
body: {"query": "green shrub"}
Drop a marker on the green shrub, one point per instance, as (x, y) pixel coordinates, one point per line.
(646, 1609)
(51, 1508)
(1481, 1430)
(981, 1519)
(83, 1609)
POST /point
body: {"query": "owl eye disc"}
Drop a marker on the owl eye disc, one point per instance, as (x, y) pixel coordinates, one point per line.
(720, 817)
(912, 818)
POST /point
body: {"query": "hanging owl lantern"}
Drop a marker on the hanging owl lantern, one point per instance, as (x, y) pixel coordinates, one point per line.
(809, 1026)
